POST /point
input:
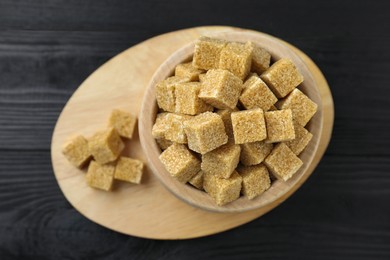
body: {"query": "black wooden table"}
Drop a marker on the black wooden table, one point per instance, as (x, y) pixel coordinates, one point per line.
(47, 48)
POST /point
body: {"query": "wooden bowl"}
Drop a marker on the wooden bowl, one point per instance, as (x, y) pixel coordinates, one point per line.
(199, 198)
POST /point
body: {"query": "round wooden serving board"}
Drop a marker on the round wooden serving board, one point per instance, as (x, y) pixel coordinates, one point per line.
(147, 210)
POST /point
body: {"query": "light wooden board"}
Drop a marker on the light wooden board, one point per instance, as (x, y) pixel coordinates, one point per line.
(147, 210)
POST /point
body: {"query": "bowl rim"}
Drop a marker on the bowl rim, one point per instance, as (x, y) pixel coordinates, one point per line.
(192, 195)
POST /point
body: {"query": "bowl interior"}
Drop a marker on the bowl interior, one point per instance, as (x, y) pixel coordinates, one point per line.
(199, 198)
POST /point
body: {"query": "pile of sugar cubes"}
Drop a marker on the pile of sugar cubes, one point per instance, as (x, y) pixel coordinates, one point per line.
(228, 120)
(102, 151)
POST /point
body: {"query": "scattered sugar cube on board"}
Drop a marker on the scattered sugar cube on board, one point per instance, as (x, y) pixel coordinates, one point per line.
(105, 146)
(100, 176)
(128, 169)
(123, 122)
(77, 152)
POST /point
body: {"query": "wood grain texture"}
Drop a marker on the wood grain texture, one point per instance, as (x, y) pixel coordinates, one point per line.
(37, 220)
(341, 212)
(279, 189)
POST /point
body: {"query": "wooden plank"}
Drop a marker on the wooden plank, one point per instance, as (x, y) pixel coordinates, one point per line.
(35, 217)
(36, 86)
(162, 16)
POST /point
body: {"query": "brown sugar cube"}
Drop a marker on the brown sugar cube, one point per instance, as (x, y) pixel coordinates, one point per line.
(302, 139)
(123, 122)
(221, 89)
(165, 93)
(255, 180)
(273, 108)
(175, 131)
(128, 169)
(205, 132)
(105, 146)
(197, 180)
(202, 77)
(237, 58)
(187, 70)
(248, 126)
(163, 143)
(251, 74)
(77, 152)
(260, 59)
(227, 121)
(100, 176)
(187, 100)
(282, 77)
(254, 153)
(180, 162)
(222, 161)
(256, 94)
(303, 108)
(221, 190)
(170, 126)
(280, 126)
(282, 162)
(207, 53)
(161, 126)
